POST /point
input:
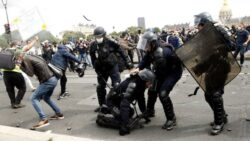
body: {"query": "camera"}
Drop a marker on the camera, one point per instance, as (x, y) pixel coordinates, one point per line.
(80, 69)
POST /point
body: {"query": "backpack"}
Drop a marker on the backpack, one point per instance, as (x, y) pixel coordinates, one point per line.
(7, 60)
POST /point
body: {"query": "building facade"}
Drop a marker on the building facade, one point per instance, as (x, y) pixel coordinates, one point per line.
(141, 22)
(86, 29)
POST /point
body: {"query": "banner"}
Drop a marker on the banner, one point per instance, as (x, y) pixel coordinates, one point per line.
(30, 24)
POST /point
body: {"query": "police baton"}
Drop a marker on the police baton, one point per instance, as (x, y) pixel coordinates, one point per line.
(108, 85)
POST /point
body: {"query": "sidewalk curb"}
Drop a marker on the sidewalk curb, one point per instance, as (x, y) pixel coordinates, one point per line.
(18, 134)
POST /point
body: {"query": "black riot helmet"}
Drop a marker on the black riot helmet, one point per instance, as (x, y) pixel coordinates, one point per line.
(150, 36)
(147, 41)
(202, 18)
(99, 31)
(147, 75)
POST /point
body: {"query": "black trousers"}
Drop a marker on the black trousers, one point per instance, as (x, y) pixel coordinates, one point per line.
(63, 82)
(131, 55)
(163, 89)
(102, 78)
(12, 80)
(216, 103)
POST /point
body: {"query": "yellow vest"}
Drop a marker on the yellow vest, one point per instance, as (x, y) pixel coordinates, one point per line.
(16, 69)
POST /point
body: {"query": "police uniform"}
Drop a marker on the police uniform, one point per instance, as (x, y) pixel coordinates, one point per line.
(168, 70)
(104, 60)
(216, 66)
(120, 99)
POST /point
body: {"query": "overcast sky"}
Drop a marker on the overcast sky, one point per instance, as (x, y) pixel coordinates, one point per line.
(62, 14)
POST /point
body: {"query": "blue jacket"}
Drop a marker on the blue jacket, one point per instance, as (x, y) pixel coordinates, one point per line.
(61, 57)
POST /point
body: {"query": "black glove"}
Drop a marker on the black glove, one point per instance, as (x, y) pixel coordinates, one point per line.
(130, 65)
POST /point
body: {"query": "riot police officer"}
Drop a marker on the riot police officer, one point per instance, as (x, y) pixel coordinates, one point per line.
(214, 87)
(168, 70)
(120, 99)
(103, 55)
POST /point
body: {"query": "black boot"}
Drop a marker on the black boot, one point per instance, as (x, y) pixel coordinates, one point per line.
(216, 129)
(152, 97)
(219, 115)
(225, 120)
(169, 125)
(124, 130)
(149, 113)
(169, 113)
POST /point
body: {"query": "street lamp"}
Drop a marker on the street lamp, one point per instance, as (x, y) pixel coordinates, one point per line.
(7, 26)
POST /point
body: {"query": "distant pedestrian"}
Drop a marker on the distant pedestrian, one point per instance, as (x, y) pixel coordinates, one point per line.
(242, 38)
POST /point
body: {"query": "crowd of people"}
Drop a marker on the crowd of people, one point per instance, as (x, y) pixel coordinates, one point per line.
(158, 71)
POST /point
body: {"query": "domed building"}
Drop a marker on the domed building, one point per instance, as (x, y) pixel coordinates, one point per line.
(225, 12)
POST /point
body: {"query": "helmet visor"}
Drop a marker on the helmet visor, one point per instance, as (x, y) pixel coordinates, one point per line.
(197, 20)
(142, 44)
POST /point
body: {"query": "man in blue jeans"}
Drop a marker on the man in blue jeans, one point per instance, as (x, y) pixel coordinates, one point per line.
(242, 38)
(35, 65)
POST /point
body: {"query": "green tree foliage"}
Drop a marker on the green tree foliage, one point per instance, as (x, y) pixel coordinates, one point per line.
(157, 30)
(115, 34)
(46, 35)
(132, 29)
(3, 42)
(15, 36)
(90, 37)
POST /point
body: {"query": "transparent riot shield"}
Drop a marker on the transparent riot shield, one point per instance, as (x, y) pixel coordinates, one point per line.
(208, 59)
(141, 44)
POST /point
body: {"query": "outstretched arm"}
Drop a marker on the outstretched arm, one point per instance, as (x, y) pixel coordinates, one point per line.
(27, 47)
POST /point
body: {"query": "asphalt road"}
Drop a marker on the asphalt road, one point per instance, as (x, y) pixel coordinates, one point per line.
(193, 113)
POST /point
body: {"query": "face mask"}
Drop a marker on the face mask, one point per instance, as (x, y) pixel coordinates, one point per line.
(99, 40)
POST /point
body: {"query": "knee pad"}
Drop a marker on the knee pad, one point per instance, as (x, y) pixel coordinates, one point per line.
(164, 94)
(217, 96)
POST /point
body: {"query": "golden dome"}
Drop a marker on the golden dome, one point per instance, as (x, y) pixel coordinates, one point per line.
(225, 12)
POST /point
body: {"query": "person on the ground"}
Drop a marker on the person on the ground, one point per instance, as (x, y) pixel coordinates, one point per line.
(119, 100)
